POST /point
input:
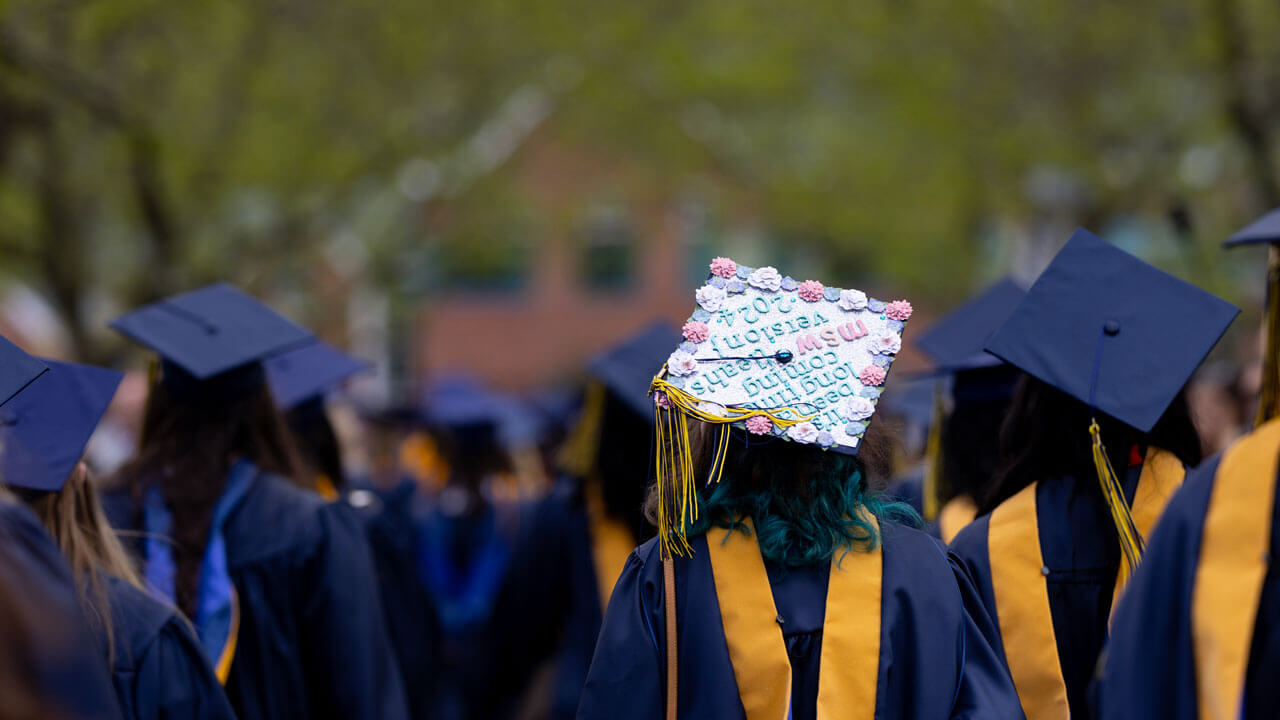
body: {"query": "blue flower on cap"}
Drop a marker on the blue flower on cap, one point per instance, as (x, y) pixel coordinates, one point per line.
(701, 315)
(789, 284)
(871, 392)
(895, 325)
(689, 347)
(876, 305)
(855, 428)
(735, 287)
(882, 361)
(744, 272)
(826, 439)
(831, 294)
(716, 282)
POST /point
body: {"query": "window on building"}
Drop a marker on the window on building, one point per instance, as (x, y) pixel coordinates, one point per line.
(608, 258)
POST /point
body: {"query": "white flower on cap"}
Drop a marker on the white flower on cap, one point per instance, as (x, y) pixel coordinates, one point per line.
(805, 432)
(682, 364)
(766, 278)
(710, 297)
(888, 344)
(857, 408)
(852, 300)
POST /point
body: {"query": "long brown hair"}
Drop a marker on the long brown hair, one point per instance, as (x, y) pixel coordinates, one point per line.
(74, 517)
(192, 432)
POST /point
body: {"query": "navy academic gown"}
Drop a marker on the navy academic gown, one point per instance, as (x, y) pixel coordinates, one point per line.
(935, 658)
(69, 664)
(1080, 548)
(1150, 670)
(159, 668)
(407, 607)
(548, 610)
(312, 642)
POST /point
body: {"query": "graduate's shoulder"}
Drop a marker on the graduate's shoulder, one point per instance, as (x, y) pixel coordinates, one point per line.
(279, 517)
(909, 547)
(138, 620)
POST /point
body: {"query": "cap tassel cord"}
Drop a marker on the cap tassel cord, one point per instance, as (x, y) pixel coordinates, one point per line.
(673, 457)
(1131, 542)
(1269, 398)
(933, 460)
(578, 457)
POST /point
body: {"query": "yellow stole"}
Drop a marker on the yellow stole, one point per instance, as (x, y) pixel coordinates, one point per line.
(850, 662)
(1233, 565)
(611, 542)
(1019, 581)
(954, 516)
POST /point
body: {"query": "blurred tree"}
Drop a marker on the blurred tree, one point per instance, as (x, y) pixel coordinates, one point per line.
(147, 145)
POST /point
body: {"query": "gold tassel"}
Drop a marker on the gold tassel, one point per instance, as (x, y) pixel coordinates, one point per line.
(673, 456)
(578, 456)
(933, 459)
(1269, 399)
(1131, 542)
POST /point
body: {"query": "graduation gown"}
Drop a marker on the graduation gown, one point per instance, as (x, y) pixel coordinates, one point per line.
(934, 658)
(68, 663)
(549, 610)
(1151, 667)
(312, 641)
(407, 606)
(1052, 648)
(159, 669)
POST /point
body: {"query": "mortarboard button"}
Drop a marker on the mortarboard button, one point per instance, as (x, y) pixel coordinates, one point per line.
(1112, 327)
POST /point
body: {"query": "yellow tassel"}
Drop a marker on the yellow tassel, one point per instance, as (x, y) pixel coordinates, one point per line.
(1131, 543)
(933, 459)
(1269, 399)
(673, 456)
(578, 456)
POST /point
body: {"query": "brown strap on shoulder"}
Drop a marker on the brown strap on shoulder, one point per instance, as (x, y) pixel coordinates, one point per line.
(673, 663)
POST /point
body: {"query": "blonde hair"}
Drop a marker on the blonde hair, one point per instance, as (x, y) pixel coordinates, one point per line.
(74, 517)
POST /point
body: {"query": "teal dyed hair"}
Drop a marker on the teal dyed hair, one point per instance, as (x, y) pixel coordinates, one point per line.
(803, 501)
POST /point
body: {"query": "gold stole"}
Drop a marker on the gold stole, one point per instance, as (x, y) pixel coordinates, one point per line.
(1019, 581)
(611, 542)
(1228, 582)
(955, 516)
(850, 661)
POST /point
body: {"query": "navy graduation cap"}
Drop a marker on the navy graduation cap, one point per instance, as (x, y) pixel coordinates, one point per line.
(627, 368)
(955, 342)
(1264, 230)
(1112, 331)
(44, 429)
(309, 371)
(460, 401)
(209, 331)
(17, 369)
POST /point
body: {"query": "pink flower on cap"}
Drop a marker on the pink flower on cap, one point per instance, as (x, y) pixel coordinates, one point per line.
(724, 267)
(810, 291)
(898, 310)
(695, 331)
(661, 400)
(759, 425)
(871, 375)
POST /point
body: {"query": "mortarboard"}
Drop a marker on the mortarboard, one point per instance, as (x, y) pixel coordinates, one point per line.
(627, 368)
(44, 429)
(770, 356)
(1265, 229)
(212, 330)
(1118, 335)
(309, 371)
(461, 401)
(955, 342)
(17, 369)
(1112, 331)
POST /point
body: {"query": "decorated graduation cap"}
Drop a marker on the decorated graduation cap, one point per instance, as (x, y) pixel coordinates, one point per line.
(769, 356)
(17, 369)
(309, 371)
(1116, 334)
(1265, 231)
(212, 330)
(44, 429)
